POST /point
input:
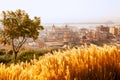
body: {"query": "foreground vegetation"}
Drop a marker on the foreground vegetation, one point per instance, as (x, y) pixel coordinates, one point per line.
(82, 63)
(25, 54)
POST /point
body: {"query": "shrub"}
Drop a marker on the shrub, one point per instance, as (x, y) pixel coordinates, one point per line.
(2, 51)
(30, 54)
(10, 52)
(6, 58)
(26, 56)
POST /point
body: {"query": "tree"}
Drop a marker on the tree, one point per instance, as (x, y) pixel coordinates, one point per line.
(17, 28)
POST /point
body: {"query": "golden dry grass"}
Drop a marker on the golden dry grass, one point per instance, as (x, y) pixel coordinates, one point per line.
(82, 63)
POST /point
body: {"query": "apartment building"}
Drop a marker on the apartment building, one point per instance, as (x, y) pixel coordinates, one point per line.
(102, 28)
(118, 27)
(100, 35)
(113, 30)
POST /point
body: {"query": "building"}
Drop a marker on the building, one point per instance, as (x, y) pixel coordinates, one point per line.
(100, 35)
(83, 32)
(113, 30)
(103, 28)
(118, 32)
(58, 33)
(91, 34)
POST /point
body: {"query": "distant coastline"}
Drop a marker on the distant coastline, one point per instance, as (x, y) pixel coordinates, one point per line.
(81, 24)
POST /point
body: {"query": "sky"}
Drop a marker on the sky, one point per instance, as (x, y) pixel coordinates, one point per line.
(65, 11)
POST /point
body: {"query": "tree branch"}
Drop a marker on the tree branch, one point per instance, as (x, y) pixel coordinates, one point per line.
(20, 44)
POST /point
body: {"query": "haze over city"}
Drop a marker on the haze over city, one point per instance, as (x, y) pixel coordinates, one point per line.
(61, 11)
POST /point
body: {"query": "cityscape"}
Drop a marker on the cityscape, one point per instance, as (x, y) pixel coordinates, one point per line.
(66, 35)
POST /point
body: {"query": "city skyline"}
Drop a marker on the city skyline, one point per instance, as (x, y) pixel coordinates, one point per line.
(65, 11)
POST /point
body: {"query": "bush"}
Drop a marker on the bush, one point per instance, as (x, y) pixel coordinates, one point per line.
(5, 58)
(26, 56)
(23, 56)
(30, 54)
(40, 52)
(2, 51)
(10, 52)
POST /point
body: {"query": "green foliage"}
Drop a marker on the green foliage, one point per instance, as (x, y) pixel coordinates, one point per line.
(23, 56)
(31, 54)
(26, 56)
(10, 52)
(6, 58)
(2, 51)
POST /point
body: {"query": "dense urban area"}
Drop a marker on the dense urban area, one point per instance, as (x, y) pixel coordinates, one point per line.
(61, 36)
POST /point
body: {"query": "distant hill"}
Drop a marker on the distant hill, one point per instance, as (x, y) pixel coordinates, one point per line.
(107, 22)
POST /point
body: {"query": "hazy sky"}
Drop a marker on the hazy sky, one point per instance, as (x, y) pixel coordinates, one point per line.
(59, 11)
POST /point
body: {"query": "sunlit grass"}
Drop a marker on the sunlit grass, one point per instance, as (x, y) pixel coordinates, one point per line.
(82, 63)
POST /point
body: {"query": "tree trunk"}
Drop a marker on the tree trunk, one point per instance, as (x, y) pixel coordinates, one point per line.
(15, 57)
